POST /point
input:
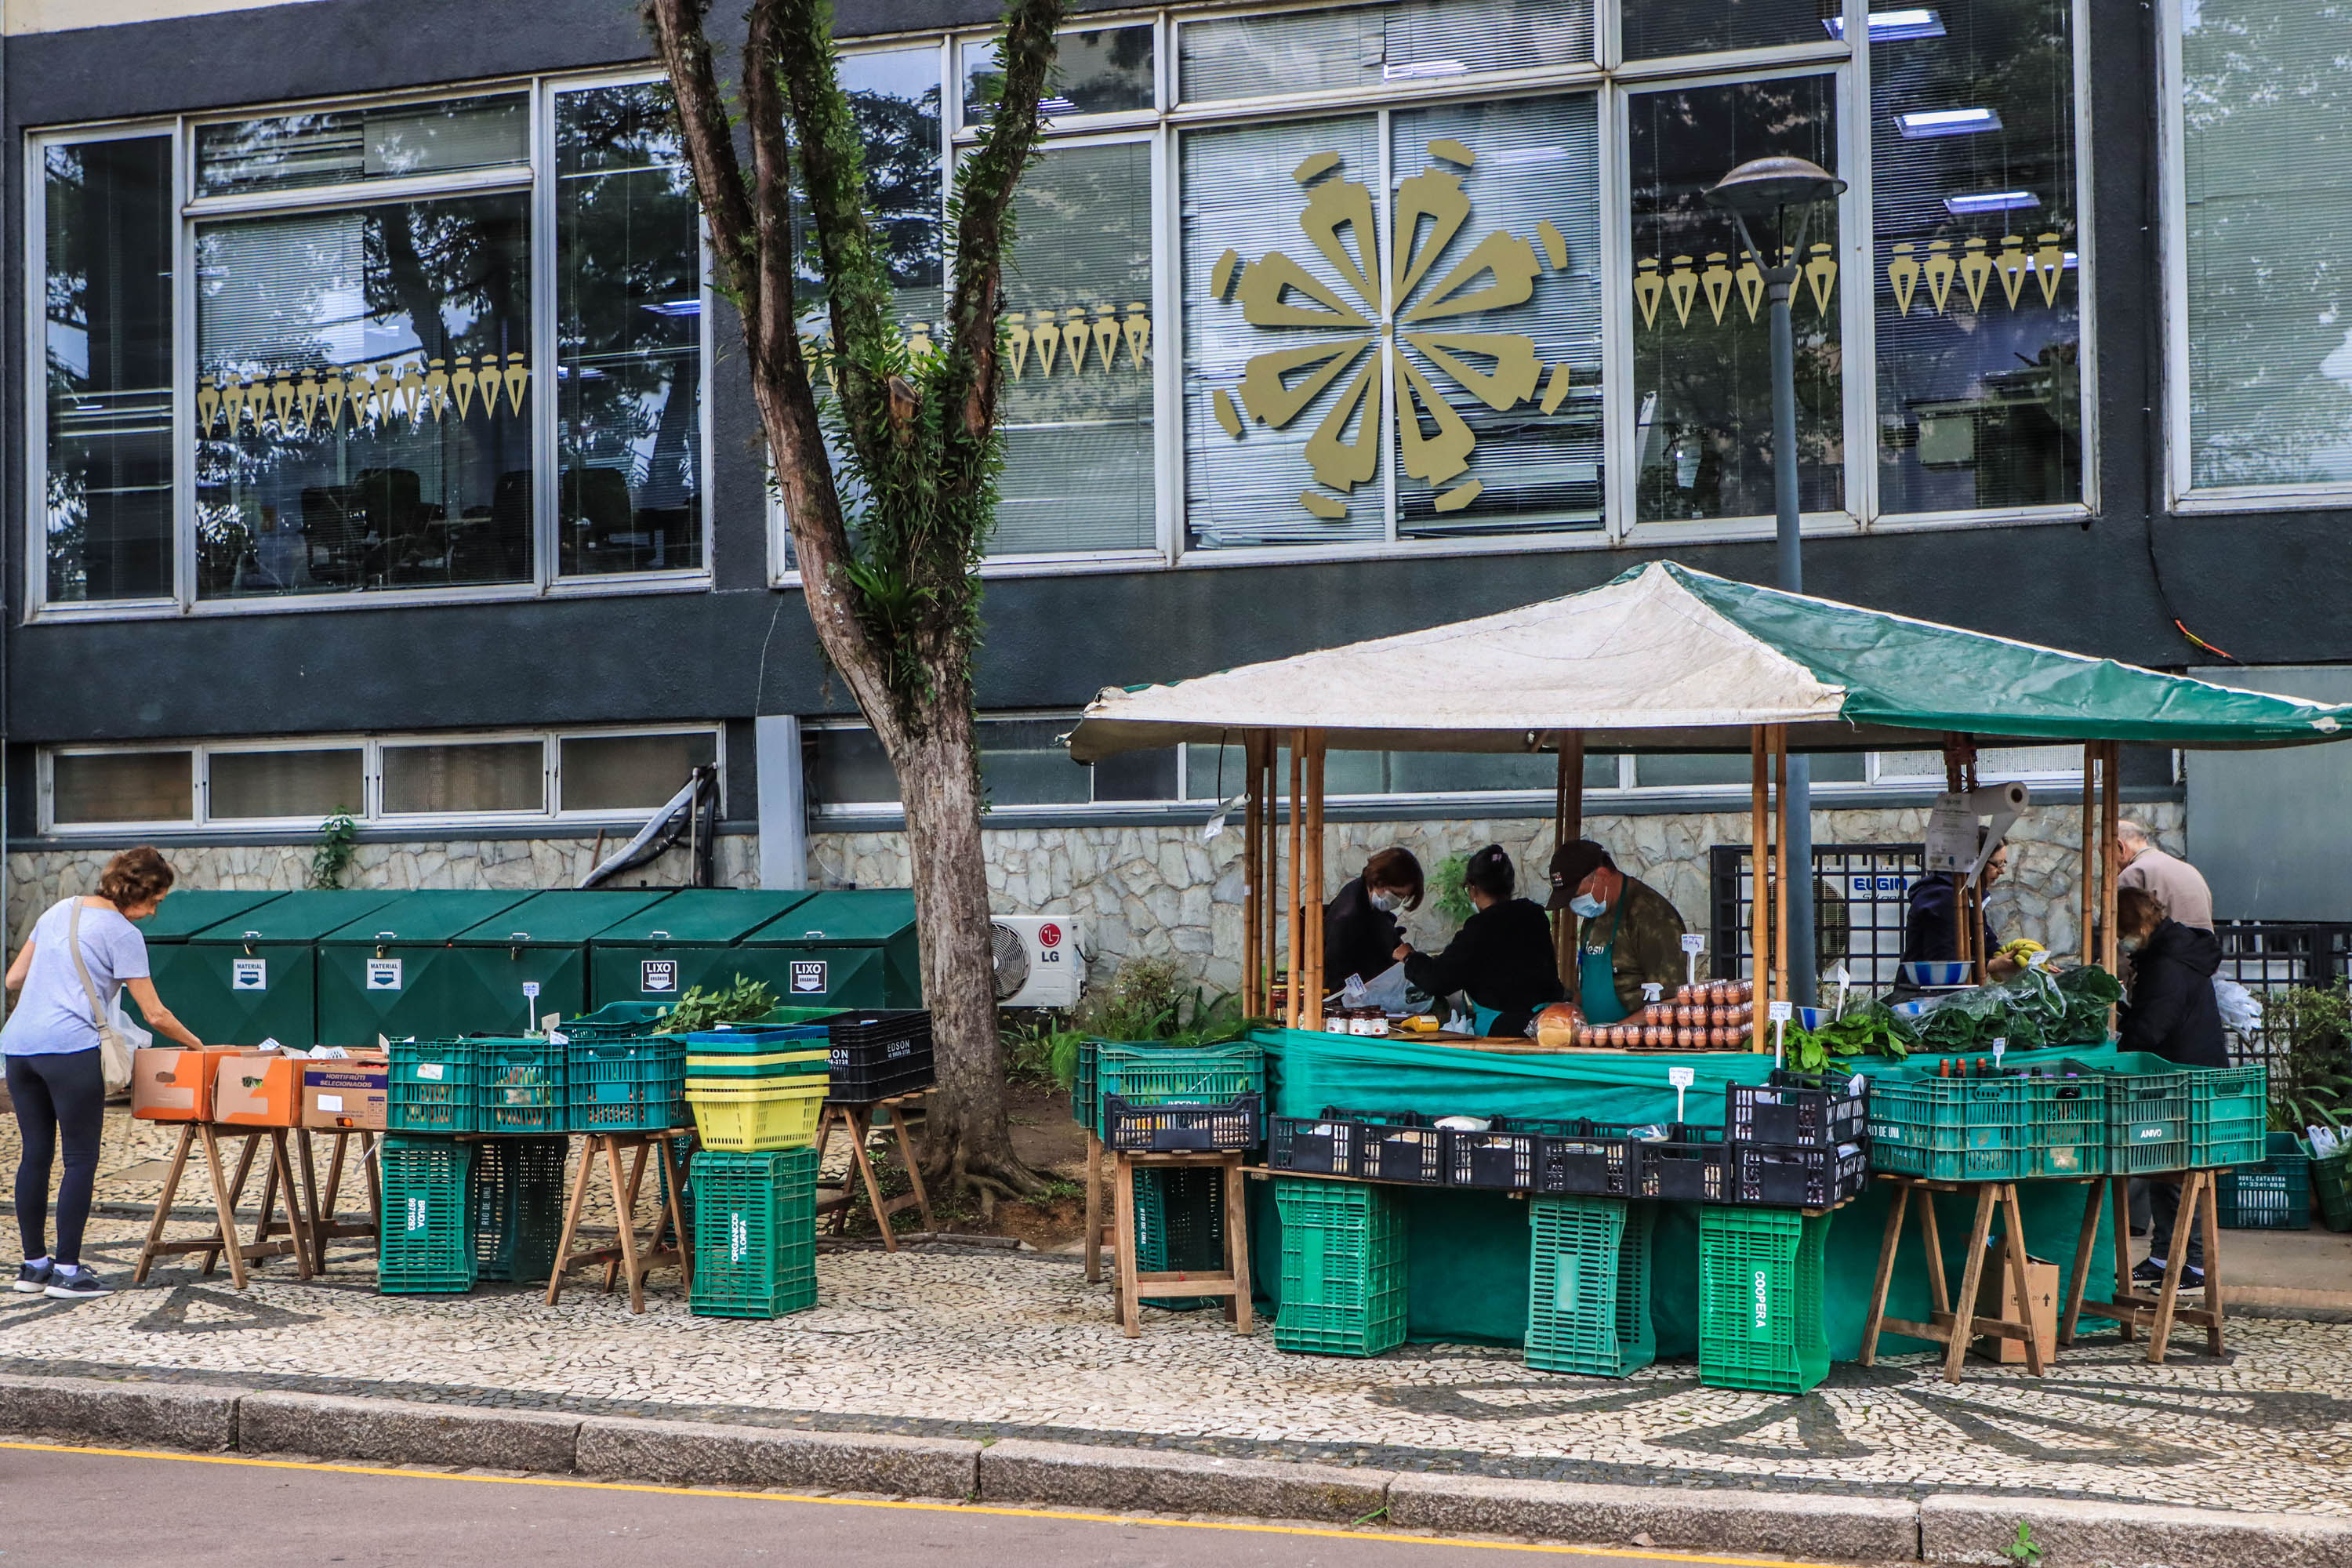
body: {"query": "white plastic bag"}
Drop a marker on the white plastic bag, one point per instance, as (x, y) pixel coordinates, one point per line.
(2240, 1010)
(137, 1038)
(1385, 990)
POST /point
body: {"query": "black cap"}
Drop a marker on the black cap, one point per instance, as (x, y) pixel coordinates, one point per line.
(1570, 864)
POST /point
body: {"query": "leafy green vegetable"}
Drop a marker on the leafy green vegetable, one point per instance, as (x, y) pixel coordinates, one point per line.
(2030, 1011)
(699, 1010)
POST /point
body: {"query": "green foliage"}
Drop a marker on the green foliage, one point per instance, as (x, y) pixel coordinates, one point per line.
(1152, 999)
(2310, 1031)
(1868, 1029)
(699, 1010)
(2023, 1549)
(2030, 1010)
(1449, 895)
(1043, 1048)
(338, 845)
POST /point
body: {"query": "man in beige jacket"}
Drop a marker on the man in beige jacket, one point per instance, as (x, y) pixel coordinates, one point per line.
(2178, 890)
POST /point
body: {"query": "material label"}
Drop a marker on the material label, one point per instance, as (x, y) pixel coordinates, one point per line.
(659, 977)
(384, 974)
(331, 1102)
(248, 975)
(1760, 1329)
(435, 1071)
(808, 977)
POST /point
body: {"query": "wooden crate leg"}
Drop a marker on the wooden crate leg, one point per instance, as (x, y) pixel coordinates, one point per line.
(2176, 1263)
(1237, 1257)
(1939, 1291)
(297, 1224)
(2013, 1222)
(2095, 1198)
(2120, 1186)
(236, 1197)
(320, 1223)
(226, 1205)
(572, 1218)
(674, 1175)
(628, 1228)
(164, 1204)
(1964, 1312)
(637, 1176)
(1122, 1197)
(861, 1128)
(1094, 1210)
(2212, 1231)
(914, 1170)
(1887, 1244)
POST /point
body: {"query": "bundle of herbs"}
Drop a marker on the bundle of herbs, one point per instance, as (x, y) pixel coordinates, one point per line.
(2030, 1011)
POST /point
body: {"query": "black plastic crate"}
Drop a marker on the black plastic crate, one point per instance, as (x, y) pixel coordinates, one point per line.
(1321, 1145)
(1790, 1108)
(1397, 1146)
(1589, 1159)
(1175, 1127)
(878, 1053)
(1686, 1166)
(1508, 1156)
(1789, 1175)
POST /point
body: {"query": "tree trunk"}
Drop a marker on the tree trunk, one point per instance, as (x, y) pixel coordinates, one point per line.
(966, 1140)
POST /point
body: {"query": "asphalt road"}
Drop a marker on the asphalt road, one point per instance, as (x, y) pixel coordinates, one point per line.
(132, 1511)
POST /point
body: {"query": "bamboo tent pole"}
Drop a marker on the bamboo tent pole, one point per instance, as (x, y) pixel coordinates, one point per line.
(1311, 911)
(1253, 884)
(1298, 951)
(1780, 863)
(2090, 867)
(2110, 847)
(1567, 827)
(1759, 884)
(1269, 855)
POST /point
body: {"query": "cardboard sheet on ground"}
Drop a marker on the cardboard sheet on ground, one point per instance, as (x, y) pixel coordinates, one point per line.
(1466, 1268)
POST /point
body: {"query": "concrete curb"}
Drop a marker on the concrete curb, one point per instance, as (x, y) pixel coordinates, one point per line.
(1955, 1528)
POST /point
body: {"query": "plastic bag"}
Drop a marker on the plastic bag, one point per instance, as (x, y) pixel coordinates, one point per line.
(2241, 1009)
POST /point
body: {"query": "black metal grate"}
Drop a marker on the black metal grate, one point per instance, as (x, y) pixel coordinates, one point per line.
(2274, 956)
(1861, 894)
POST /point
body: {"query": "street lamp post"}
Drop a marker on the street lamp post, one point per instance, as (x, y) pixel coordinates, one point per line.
(1763, 189)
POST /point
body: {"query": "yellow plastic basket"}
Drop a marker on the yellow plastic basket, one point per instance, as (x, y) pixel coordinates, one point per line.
(750, 1121)
(774, 1059)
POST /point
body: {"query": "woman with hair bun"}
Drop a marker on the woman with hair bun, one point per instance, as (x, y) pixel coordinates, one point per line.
(81, 952)
(1502, 956)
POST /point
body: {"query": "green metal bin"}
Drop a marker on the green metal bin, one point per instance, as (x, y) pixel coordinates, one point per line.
(181, 915)
(394, 972)
(855, 949)
(254, 976)
(689, 938)
(543, 942)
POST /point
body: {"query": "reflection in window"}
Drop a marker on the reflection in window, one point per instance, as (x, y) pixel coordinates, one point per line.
(1702, 341)
(1368, 46)
(471, 776)
(123, 786)
(256, 786)
(108, 352)
(1023, 762)
(1076, 402)
(625, 773)
(628, 328)
(1979, 386)
(1702, 770)
(894, 97)
(363, 381)
(1658, 29)
(345, 146)
(1099, 70)
(2268, 179)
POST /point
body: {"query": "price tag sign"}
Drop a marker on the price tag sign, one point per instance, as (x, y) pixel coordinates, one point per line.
(1691, 943)
(1782, 1012)
(1999, 1045)
(531, 990)
(1682, 1078)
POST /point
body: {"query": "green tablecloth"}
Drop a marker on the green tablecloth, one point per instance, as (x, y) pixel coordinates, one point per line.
(1468, 1251)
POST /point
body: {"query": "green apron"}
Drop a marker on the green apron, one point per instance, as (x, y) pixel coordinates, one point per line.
(1596, 975)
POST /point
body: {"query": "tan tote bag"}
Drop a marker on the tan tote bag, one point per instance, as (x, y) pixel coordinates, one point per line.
(113, 1050)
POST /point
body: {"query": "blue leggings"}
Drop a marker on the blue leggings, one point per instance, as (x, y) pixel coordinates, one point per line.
(59, 1098)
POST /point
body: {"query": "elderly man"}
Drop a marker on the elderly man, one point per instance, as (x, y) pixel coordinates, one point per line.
(2173, 886)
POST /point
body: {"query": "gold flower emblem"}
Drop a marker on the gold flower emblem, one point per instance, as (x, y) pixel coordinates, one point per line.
(1431, 212)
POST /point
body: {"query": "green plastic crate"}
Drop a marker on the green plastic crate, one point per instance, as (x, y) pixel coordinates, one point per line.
(518, 1207)
(2229, 1116)
(627, 1086)
(1343, 1268)
(2147, 1122)
(1147, 1072)
(2069, 1117)
(754, 1233)
(1180, 1226)
(1085, 1103)
(1589, 1286)
(2273, 1196)
(1952, 1129)
(2331, 1189)
(519, 1084)
(1761, 1298)
(424, 1236)
(430, 1087)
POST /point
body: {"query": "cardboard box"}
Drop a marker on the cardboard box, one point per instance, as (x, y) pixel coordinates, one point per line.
(256, 1089)
(347, 1095)
(1997, 1297)
(174, 1083)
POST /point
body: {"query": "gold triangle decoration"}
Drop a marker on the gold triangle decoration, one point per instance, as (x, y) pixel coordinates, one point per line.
(1976, 271)
(2016, 261)
(1939, 269)
(1649, 287)
(1717, 283)
(323, 401)
(1681, 287)
(1902, 277)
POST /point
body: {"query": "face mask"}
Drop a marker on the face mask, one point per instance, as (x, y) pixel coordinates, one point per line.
(1386, 902)
(1588, 906)
(2130, 943)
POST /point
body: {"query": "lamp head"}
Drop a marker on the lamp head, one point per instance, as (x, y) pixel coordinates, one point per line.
(1762, 186)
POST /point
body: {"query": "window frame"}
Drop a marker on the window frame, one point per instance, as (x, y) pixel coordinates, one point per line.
(535, 179)
(372, 815)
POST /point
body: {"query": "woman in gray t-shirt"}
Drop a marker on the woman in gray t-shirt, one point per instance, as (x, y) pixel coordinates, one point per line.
(50, 1043)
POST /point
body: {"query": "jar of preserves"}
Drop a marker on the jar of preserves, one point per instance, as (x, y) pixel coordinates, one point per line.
(1339, 1021)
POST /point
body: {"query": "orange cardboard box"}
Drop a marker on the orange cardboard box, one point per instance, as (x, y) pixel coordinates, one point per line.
(347, 1095)
(258, 1088)
(174, 1083)
(1997, 1297)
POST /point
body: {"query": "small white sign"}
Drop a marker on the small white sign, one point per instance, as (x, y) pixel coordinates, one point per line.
(659, 977)
(248, 975)
(432, 1072)
(384, 974)
(330, 1102)
(1692, 942)
(1951, 837)
(1999, 1045)
(531, 990)
(808, 977)
(1782, 1012)
(1682, 1077)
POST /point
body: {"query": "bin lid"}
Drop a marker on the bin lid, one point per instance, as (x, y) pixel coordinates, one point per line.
(296, 917)
(183, 914)
(427, 915)
(865, 917)
(564, 918)
(703, 917)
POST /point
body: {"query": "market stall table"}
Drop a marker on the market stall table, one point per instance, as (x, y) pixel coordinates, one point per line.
(1955, 1329)
(623, 1256)
(279, 1179)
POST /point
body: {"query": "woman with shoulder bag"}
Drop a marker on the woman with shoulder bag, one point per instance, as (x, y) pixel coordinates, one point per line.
(57, 1043)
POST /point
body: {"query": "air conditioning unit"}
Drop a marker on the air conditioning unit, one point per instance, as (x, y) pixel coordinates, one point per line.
(1038, 964)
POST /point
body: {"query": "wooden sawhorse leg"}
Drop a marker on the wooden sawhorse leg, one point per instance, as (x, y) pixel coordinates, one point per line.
(1233, 1283)
(1093, 1209)
(154, 1246)
(631, 1262)
(2132, 1310)
(325, 1225)
(1954, 1326)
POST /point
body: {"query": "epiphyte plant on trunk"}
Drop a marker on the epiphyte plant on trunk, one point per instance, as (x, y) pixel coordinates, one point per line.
(891, 520)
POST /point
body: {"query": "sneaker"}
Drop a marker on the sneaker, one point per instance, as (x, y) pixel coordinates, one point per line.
(2149, 1273)
(33, 1278)
(2191, 1279)
(80, 1284)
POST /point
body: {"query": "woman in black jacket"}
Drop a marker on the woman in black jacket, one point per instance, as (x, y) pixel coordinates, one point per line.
(1503, 954)
(2170, 1013)
(1360, 925)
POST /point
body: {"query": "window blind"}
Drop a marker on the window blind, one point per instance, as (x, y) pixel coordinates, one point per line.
(1367, 46)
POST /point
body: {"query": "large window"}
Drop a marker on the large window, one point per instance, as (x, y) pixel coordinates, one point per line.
(397, 376)
(421, 781)
(2261, 181)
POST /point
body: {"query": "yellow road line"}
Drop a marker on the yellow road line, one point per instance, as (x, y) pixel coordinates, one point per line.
(994, 1509)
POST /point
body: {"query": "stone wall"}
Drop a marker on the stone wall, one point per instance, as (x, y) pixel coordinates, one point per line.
(1144, 891)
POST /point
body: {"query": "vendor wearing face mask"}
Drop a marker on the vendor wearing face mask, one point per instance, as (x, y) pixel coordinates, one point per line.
(1627, 934)
(1502, 956)
(1359, 924)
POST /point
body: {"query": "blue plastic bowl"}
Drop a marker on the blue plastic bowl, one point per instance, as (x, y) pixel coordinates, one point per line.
(1811, 1018)
(1908, 1009)
(1936, 973)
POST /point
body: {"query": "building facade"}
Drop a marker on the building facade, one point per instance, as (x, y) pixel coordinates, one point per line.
(378, 446)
